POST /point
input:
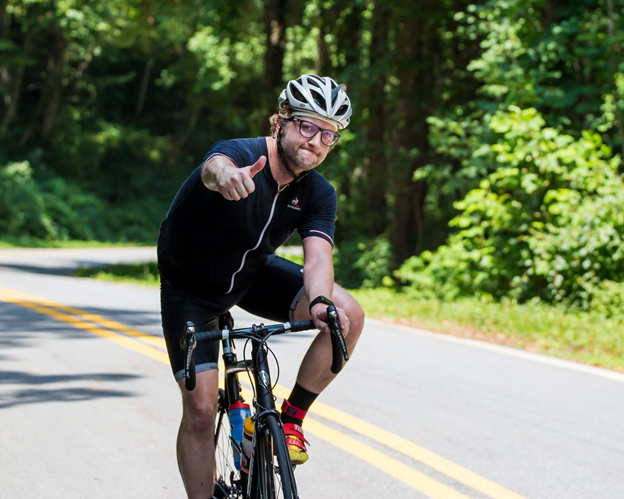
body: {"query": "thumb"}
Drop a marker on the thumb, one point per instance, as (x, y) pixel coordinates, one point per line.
(257, 166)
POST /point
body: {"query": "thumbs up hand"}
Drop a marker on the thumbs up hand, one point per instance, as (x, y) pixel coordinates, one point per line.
(231, 182)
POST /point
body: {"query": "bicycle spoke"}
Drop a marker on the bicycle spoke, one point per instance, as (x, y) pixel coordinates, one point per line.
(229, 482)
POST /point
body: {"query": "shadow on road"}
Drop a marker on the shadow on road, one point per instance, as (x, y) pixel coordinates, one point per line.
(63, 270)
(61, 394)
(19, 324)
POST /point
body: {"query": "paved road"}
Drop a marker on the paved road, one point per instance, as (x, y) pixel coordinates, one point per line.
(88, 408)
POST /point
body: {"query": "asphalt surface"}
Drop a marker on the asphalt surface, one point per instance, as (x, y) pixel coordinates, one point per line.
(87, 410)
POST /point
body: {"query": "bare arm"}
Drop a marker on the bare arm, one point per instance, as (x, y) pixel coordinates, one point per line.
(220, 174)
(318, 279)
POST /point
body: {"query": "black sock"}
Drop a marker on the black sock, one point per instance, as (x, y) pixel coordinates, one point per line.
(301, 399)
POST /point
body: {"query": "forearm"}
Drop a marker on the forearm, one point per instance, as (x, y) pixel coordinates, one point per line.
(212, 168)
(318, 277)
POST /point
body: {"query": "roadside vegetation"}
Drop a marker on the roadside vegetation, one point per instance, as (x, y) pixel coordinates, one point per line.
(479, 183)
(587, 337)
(138, 273)
(31, 242)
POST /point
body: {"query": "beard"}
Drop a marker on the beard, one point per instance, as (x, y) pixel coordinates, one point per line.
(299, 158)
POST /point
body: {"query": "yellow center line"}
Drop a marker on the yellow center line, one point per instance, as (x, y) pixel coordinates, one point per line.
(408, 448)
(155, 341)
(391, 466)
(80, 324)
(78, 318)
(397, 469)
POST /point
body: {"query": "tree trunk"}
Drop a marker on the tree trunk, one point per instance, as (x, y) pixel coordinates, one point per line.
(275, 31)
(143, 90)
(613, 64)
(549, 13)
(54, 83)
(5, 76)
(416, 38)
(189, 129)
(322, 58)
(12, 99)
(376, 170)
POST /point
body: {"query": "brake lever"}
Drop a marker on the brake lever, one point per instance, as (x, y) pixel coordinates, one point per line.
(339, 347)
(188, 343)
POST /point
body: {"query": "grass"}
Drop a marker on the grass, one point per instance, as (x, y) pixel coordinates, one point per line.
(588, 338)
(31, 242)
(132, 273)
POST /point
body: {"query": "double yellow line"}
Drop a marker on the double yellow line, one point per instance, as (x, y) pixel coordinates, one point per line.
(154, 347)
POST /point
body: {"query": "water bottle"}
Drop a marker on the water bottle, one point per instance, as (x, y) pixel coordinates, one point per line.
(248, 439)
(238, 412)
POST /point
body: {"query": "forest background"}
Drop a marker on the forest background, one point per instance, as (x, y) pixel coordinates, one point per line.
(483, 162)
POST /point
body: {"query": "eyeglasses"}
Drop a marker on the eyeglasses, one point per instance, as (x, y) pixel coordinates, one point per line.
(308, 130)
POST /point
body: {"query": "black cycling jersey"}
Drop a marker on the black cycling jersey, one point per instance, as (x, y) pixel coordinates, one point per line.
(213, 247)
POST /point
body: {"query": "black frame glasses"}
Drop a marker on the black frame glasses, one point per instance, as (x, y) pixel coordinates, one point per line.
(309, 130)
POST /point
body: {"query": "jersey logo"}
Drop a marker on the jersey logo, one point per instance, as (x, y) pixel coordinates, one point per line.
(294, 204)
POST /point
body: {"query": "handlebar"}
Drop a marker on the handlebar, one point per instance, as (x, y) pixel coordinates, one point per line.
(192, 337)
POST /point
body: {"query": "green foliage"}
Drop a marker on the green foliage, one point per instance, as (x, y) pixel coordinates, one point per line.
(548, 223)
(485, 137)
(366, 264)
(51, 209)
(22, 207)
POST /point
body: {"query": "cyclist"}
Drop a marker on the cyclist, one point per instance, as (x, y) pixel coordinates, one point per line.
(216, 250)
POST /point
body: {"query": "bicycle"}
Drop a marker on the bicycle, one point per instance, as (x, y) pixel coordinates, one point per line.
(270, 472)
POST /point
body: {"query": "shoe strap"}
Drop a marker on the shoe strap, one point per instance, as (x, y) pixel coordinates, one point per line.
(291, 410)
(294, 435)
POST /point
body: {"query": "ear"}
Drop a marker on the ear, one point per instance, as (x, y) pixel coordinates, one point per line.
(282, 121)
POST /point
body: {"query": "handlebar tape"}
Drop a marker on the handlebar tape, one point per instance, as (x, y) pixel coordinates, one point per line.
(301, 326)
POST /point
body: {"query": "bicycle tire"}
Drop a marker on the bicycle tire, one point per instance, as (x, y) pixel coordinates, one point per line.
(273, 473)
(230, 483)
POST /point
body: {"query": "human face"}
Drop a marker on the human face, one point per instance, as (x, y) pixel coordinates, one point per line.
(309, 130)
(304, 153)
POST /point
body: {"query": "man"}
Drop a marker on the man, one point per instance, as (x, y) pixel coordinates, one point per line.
(216, 250)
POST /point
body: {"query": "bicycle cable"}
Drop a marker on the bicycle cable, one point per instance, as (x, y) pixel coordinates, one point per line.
(277, 376)
(247, 370)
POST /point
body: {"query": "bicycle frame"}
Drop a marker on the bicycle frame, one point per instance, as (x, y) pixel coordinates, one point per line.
(268, 436)
(263, 403)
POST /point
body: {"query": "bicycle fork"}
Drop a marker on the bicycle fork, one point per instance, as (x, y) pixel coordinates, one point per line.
(264, 404)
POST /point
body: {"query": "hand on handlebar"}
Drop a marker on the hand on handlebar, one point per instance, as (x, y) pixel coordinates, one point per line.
(320, 319)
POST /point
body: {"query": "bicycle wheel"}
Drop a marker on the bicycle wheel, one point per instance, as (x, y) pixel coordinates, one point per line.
(273, 476)
(230, 483)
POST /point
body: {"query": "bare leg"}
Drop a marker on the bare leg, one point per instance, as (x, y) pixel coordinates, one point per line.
(195, 445)
(315, 373)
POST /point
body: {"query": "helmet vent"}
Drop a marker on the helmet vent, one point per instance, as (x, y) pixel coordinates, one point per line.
(296, 94)
(319, 100)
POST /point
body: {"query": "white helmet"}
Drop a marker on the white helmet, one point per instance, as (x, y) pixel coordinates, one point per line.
(317, 97)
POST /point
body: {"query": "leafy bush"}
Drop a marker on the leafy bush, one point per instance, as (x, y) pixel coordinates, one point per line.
(22, 206)
(547, 223)
(52, 209)
(365, 263)
(75, 214)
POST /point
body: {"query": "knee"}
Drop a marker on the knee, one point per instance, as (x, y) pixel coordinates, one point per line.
(199, 413)
(355, 313)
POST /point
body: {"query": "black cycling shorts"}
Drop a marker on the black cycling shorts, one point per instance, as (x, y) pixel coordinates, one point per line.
(274, 295)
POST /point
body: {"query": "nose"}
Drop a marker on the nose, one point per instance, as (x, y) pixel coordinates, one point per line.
(316, 140)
